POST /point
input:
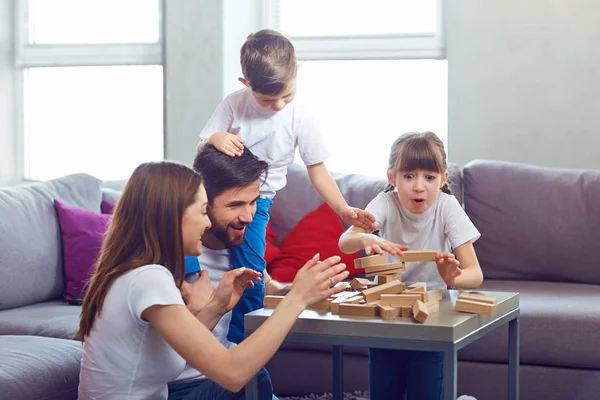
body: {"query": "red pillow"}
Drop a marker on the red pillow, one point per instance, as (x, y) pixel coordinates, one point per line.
(318, 232)
(271, 250)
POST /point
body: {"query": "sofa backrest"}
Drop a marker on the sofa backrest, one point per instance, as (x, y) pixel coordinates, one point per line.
(299, 197)
(535, 223)
(31, 265)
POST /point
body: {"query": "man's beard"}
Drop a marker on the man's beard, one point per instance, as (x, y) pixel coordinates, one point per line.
(221, 233)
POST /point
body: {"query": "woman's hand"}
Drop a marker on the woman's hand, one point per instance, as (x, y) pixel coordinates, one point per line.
(232, 287)
(316, 280)
(375, 245)
(227, 143)
(197, 295)
(448, 267)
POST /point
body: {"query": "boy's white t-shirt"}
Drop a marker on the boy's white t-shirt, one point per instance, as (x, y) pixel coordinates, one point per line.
(124, 357)
(271, 135)
(443, 227)
(216, 262)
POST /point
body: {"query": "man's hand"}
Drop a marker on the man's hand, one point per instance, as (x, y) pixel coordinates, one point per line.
(197, 295)
(359, 218)
(448, 267)
(232, 286)
(227, 143)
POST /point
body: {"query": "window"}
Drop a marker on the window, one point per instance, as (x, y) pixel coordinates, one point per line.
(91, 97)
(371, 73)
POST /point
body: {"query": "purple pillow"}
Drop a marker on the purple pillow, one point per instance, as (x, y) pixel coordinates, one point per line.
(107, 207)
(82, 234)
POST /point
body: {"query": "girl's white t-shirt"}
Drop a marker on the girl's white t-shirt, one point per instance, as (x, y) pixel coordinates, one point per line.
(443, 227)
(124, 357)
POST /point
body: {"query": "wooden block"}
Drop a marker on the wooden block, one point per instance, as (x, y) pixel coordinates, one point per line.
(375, 293)
(359, 283)
(406, 311)
(371, 284)
(272, 301)
(423, 295)
(435, 295)
(420, 311)
(478, 298)
(369, 261)
(358, 310)
(387, 312)
(432, 306)
(399, 300)
(419, 256)
(354, 299)
(381, 279)
(324, 305)
(420, 287)
(385, 267)
(475, 307)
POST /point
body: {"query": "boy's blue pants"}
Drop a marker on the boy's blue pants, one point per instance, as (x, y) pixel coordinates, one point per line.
(251, 254)
(405, 374)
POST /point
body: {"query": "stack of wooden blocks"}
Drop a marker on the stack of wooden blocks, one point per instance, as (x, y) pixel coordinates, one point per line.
(389, 297)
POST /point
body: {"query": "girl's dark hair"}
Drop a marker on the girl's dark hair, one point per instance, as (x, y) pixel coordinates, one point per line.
(418, 150)
(221, 172)
(145, 229)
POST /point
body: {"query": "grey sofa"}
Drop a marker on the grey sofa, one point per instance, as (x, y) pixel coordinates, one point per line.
(540, 238)
(38, 359)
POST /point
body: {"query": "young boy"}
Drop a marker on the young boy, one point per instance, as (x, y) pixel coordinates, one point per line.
(264, 118)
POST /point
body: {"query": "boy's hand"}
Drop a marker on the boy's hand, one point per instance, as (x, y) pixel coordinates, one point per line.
(227, 143)
(448, 267)
(376, 245)
(359, 218)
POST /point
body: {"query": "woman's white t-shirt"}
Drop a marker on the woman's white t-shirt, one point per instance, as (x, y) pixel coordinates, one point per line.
(443, 227)
(124, 357)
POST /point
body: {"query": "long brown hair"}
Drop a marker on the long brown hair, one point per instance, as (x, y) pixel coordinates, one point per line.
(145, 229)
(418, 150)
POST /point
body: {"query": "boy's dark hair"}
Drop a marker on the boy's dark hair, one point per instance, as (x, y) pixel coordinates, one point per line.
(221, 172)
(268, 62)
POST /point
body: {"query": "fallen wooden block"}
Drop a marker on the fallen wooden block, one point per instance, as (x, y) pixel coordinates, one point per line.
(359, 283)
(358, 310)
(418, 287)
(387, 312)
(324, 305)
(422, 295)
(420, 311)
(475, 307)
(351, 297)
(418, 255)
(381, 279)
(375, 293)
(369, 261)
(272, 301)
(477, 297)
(406, 311)
(435, 294)
(399, 300)
(432, 306)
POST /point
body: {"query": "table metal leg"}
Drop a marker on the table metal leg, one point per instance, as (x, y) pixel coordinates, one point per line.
(513, 359)
(252, 389)
(338, 372)
(450, 359)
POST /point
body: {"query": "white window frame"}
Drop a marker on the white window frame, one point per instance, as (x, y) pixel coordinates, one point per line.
(364, 47)
(29, 55)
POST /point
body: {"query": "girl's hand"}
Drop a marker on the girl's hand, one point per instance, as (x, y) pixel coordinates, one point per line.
(375, 245)
(232, 287)
(316, 280)
(227, 143)
(359, 218)
(448, 267)
(197, 295)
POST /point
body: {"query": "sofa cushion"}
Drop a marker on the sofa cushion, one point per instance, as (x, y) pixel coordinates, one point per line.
(82, 235)
(318, 232)
(36, 367)
(51, 319)
(30, 250)
(299, 197)
(535, 223)
(559, 325)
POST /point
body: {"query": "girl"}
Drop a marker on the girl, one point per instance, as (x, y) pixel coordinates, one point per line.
(417, 211)
(140, 324)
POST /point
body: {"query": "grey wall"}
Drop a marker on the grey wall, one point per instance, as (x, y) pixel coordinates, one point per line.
(8, 149)
(524, 81)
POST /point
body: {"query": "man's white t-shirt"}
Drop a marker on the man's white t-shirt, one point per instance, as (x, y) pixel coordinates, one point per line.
(216, 262)
(272, 136)
(124, 357)
(443, 227)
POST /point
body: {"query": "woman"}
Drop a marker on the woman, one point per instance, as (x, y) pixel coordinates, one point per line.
(137, 328)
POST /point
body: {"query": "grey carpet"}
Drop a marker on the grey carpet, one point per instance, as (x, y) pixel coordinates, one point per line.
(329, 396)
